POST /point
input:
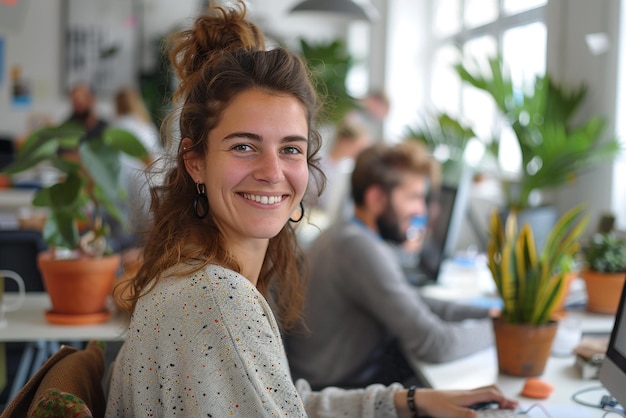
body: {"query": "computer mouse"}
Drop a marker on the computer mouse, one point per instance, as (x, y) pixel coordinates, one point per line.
(537, 388)
(482, 406)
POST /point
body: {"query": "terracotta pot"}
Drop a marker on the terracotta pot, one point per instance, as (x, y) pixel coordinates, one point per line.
(78, 286)
(522, 349)
(603, 290)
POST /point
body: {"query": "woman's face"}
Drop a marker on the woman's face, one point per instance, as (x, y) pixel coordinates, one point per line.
(256, 169)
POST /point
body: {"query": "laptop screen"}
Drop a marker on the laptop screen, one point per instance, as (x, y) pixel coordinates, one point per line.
(440, 217)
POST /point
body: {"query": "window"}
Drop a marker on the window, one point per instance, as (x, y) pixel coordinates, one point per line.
(480, 29)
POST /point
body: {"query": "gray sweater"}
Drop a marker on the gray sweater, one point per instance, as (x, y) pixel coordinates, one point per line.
(358, 300)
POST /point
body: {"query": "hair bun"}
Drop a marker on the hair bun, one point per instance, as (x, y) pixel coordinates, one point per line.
(218, 30)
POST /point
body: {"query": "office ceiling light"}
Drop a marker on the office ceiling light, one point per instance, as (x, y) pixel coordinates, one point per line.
(347, 8)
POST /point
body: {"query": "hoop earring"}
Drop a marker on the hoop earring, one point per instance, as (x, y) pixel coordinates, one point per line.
(295, 221)
(201, 202)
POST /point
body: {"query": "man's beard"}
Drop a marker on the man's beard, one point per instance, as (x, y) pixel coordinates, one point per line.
(81, 116)
(389, 226)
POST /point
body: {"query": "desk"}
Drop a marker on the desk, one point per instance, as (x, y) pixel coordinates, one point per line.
(28, 324)
(481, 369)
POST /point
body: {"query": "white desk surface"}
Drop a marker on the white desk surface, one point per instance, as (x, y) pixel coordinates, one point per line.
(481, 369)
(29, 324)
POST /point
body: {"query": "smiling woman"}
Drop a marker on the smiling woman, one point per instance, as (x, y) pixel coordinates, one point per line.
(261, 168)
(202, 339)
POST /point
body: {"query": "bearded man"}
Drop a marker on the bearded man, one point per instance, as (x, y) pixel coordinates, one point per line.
(363, 321)
(83, 100)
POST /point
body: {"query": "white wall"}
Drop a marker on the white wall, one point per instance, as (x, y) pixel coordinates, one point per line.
(569, 21)
(159, 18)
(36, 48)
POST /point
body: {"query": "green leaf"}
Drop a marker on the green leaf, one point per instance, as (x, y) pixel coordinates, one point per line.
(126, 142)
(67, 135)
(61, 230)
(103, 165)
(556, 147)
(531, 284)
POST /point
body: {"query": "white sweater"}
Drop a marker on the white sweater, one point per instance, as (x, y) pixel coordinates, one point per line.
(208, 345)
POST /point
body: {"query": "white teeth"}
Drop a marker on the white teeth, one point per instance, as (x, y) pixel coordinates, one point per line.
(264, 200)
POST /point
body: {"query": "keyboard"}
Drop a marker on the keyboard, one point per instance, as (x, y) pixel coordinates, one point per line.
(497, 413)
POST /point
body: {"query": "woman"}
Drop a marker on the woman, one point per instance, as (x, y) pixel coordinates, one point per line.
(132, 115)
(203, 340)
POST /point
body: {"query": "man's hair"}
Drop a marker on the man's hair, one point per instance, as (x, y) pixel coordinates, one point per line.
(384, 165)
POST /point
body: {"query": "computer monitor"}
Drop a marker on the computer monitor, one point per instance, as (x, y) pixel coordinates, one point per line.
(613, 370)
(445, 225)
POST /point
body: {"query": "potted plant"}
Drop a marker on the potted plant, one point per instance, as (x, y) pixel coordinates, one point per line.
(555, 143)
(604, 271)
(80, 208)
(531, 285)
(329, 64)
(446, 138)
(554, 149)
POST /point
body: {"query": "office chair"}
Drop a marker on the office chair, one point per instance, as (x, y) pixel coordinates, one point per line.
(68, 384)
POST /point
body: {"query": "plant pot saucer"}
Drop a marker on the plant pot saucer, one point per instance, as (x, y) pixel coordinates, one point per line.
(77, 319)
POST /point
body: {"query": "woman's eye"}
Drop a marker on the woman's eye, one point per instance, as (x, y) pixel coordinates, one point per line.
(292, 150)
(242, 147)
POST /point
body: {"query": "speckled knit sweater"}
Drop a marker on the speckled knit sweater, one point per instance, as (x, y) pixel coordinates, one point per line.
(208, 345)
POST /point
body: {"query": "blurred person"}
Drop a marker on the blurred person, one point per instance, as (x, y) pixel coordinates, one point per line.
(83, 101)
(132, 116)
(203, 339)
(363, 321)
(337, 165)
(372, 111)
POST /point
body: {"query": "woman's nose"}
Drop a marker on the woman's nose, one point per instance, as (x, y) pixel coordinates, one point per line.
(269, 168)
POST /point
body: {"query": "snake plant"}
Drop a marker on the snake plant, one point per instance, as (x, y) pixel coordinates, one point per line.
(530, 283)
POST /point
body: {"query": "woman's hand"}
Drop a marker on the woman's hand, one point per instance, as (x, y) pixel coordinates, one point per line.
(452, 403)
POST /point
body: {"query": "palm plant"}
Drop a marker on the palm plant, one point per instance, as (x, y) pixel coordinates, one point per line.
(329, 64)
(531, 284)
(554, 149)
(446, 138)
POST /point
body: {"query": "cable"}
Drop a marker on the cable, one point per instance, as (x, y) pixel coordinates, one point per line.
(606, 403)
(585, 403)
(538, 405)
(613, 411)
